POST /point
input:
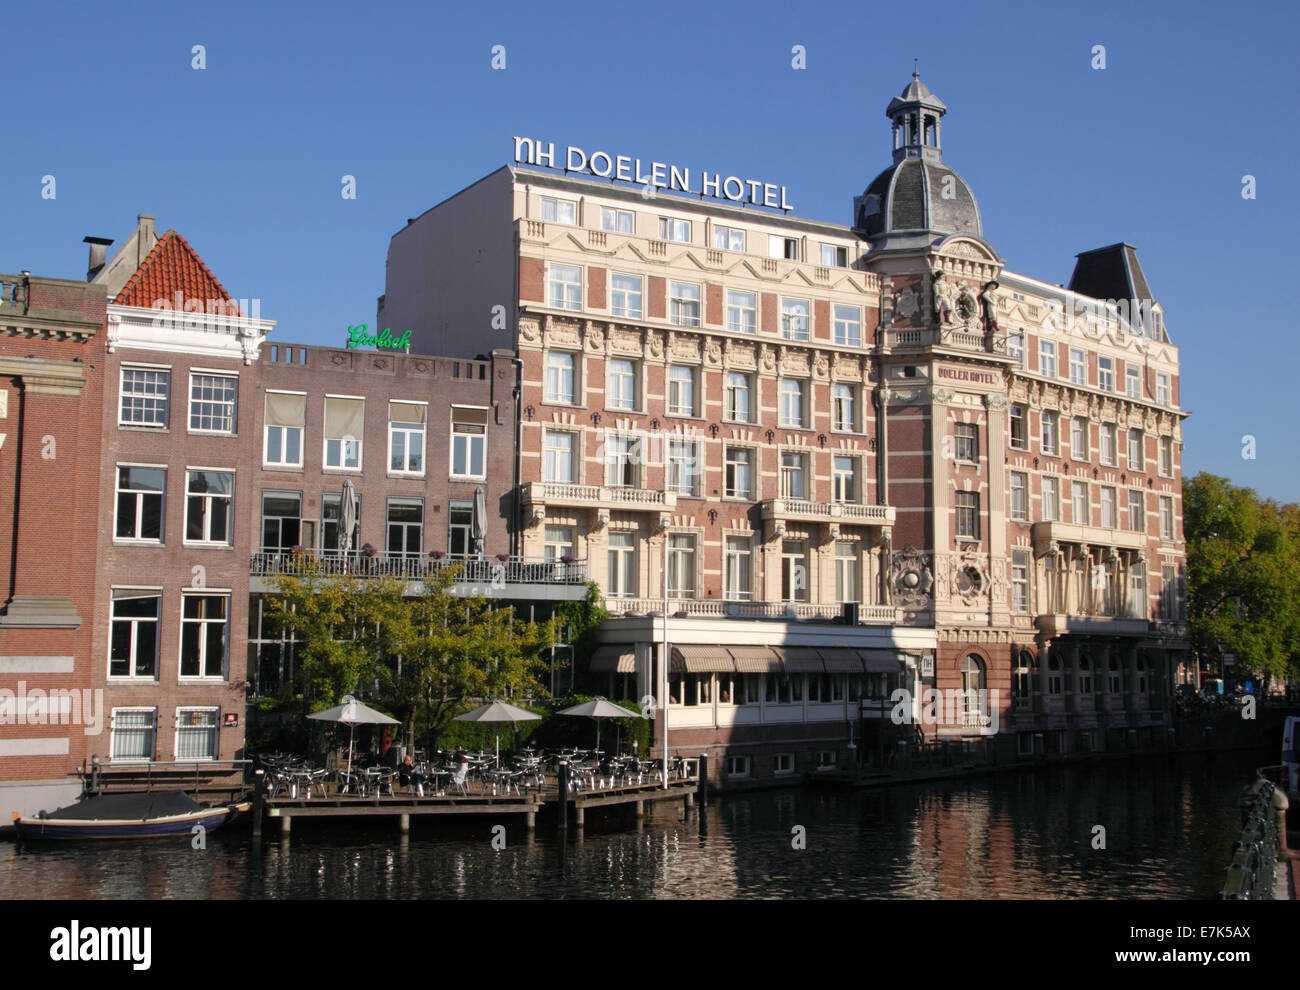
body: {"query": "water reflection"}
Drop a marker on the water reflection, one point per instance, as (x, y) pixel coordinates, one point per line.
(1168, 826)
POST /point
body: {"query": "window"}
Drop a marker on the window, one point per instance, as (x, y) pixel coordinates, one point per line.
(681, 390)
(842, 408)
(834, 257)
(1162, 388)
(621, 581)
(1106, 374)
(740, 473)
(144, 397)
(212, 403)
(620, 384)
(282, 521)
(1166, 517)
(791, 402)
(559, 377)
(783, 763)
(133, 645)
(1051, 499)
(205, 621)
(737, 766)
(1054, 680)
(728, 239)
(565, 286)
(844, 484)
(460, 527)
(1019, 496)
(286, 418)
(737, 569)
(140, 495)
(1106, 433)
(558, 457)
(405, 527)
(1079, 438)
(1132, 382)
(793, 471)
(622, 456)
(617, 221)
(780, 689)
(1019, 429)
(794, 319)
(794, 570)
(972, 683)
(683, 467)
(207, 506)
(406, 428)
(1079, 514)
(559, 210)
(1047, 358)
(1049, 431)
(1136, 450)
(344, 419)
(1078, 367)
(331, 507)
(674, 230)
(684, 304)
(1137, 511)
(1022, 681)
(1085, 673)
(681, 565)
(742, 312)
(738, 398)
(625, 296)
(197, 733)
(968, 515)
(848, 326)
(1166, 445)
(468, 442)
(1108, 520)
(134, 731)
(783, 247)
(1020, 581)
(1016, 348)
(846, 571)
(966, 443)
(558, 545)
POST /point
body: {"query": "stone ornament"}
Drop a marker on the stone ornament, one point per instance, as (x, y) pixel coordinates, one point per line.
(910, 579)
(942, 300)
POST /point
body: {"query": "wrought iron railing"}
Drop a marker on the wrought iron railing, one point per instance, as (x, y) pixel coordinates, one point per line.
(489, 571)
(714, 608)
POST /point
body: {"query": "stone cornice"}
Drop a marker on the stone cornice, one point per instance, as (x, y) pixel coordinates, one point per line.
(42, 376)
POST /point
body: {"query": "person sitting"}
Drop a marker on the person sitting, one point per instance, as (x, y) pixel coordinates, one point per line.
(410, 777)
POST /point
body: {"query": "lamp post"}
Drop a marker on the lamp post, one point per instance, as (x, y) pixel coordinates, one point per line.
(663, 667)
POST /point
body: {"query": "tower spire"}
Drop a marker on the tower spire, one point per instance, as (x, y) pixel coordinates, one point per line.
(915, 114)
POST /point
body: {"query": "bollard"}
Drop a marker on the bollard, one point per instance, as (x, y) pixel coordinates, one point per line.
(259, 783)
(704, 779)
(564, 795)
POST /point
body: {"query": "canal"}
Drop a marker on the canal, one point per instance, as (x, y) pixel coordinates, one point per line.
(1168, 826)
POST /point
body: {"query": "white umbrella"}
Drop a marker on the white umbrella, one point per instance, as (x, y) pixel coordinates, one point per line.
(347, 520)
(497, 711)
(353, 713)
(479, 530)
(598, 709)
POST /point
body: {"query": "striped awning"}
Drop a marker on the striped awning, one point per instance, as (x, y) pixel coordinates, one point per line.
(801, 660)
(701, 660)
(755, 659)
(840, 660)
(880, 661)
(618, 659)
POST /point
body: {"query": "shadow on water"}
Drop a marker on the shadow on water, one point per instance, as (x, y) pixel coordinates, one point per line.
(1151, 828)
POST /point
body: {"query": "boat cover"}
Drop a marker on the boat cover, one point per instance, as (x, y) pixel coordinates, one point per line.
(134, 806)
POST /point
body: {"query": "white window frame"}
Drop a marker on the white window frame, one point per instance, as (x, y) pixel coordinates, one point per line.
(1051, 498)
(563, 293)
(791, 329)
(848, 571)
(969, 513)
(203, 640)
(1050, 430)
(1047, 358)
(1105, 373)
(797, 468)
(553, 210)
(152, 734)
(1024, 427)
(232, 403)
(1137, 442)
(551, 455)
(356, 442)
(620, 297)
(409, 430)
(1080, 496)
(1132, 382)
(621, 560)
(789, 398)
(1109, 507)
(145, 397)
(738, 567)
(683, 378)
(728, 472)
(147, 592)
(209, 513)
(1021, 566)
(214, 729)
(284, 434)
(1079, 438)
(680, 302)
(140, 494)
(1165, 448)
(834, 256)
(844, 405)
(1108, 442)
(1163, 392)
(675, 230)
(1016, 347)
(1019, 501)
(612, 220)
(742, 311)
(837, 480)
(847, 322)
(682, 562)
(966, 443)
(554, 395)
(1166, 517)
(469, 437)
(684, 467)
(730, 389)
(1138, 525)
(1078, 366)
(728, 239)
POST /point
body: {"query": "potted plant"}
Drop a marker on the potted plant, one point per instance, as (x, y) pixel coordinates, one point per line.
(567, 558)
(503, 557)
(437, 554)
(368, 550)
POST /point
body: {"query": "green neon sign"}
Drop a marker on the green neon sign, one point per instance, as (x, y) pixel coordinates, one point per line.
(358, 336)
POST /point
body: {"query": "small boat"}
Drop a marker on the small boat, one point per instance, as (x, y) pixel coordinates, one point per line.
(137, 815)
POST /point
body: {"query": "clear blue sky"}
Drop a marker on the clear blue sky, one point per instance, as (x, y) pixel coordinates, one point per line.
(245, 157)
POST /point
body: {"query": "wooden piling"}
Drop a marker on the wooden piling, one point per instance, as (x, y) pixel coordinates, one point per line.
(704, 779)
(563, 799)
(259, 796)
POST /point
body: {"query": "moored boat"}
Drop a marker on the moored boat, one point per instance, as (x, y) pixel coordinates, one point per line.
(150, 814)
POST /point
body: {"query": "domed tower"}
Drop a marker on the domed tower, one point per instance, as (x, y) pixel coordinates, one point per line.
(918, 200)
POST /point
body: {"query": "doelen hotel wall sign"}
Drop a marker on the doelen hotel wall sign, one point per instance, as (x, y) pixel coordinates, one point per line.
(602, 164)
(359, 336)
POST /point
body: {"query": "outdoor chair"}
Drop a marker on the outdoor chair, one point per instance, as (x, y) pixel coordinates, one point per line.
(459, 778)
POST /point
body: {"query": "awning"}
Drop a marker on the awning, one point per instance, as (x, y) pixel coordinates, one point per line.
(701, 660)
(840, 660)
(801, 660)
(880, 661)
(755, 659)
(613, 660)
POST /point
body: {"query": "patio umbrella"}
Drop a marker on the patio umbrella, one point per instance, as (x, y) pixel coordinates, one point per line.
(353, 713)
(480, 521)
(347, 520)
(598, 709)
(497, 711)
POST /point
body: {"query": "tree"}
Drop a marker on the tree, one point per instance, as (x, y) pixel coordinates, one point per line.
(1243, 575)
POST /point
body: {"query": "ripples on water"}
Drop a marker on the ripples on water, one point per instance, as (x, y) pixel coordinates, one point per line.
(1169, 826)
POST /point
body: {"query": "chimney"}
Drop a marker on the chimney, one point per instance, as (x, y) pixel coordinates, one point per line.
(146, 237)
(98, 255)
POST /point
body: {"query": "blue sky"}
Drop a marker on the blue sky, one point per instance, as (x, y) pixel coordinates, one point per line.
(245, 157)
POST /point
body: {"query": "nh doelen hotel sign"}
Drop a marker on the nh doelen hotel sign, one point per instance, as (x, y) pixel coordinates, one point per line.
(658, 176)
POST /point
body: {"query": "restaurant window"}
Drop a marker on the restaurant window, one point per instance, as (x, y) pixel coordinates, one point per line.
(625, 296)
(281, 520)
(212, 403)
(133, 641)
(468, 442)
(344, 420)
(286, 418)
(331, 507)
(460, 527)
(145, 397)
(742, 312)
(141, 492)
(208, 516)
(205, 635)
(405, 527)
(407, 422)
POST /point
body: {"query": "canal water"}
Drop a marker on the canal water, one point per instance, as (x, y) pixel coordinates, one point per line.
(1168, 828)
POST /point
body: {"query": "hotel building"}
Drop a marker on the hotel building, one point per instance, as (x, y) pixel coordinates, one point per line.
(851, 457)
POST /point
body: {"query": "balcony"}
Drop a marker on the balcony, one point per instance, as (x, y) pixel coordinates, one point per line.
(1094, 536)
(544, 493)
(509, 578)
(715, 609)
(961, 339)
(800, 510)
(1054, 624)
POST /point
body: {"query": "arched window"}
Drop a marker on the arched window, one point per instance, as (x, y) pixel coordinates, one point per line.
(1085, 674)
(1022, 679)
(972, 683)
(1053, 673)
(1112, 675)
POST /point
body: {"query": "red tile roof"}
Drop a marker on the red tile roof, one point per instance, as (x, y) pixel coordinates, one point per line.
(172, 267)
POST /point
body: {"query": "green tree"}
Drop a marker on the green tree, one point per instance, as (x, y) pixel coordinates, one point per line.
(1243, 584)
